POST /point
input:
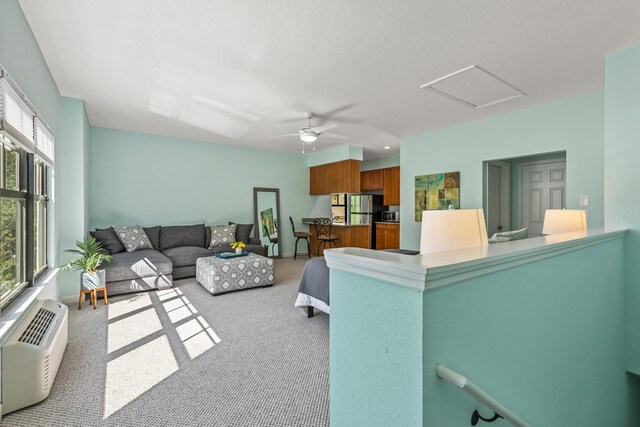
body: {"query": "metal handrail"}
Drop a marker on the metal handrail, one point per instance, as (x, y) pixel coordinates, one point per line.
(478, 394)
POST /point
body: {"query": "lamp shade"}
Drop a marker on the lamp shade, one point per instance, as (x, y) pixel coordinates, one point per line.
(445, 230)
(564, 221)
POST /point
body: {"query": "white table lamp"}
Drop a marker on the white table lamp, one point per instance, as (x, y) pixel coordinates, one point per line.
(564, 221)
(452, 229)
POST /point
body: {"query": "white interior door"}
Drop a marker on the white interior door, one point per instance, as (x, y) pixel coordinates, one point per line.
(543, 187)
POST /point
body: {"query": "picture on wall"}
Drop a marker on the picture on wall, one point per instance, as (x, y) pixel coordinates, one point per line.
(436, 192)
(266, 217)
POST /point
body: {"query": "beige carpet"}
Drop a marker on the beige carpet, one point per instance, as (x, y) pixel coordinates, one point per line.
(183, 357)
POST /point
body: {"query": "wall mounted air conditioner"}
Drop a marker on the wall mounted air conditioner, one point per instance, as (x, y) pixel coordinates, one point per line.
(32, 354)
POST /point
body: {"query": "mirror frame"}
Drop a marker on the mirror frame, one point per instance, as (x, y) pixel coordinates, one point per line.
(256, 223)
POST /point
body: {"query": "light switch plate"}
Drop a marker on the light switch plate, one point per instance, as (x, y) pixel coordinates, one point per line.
(584, 200)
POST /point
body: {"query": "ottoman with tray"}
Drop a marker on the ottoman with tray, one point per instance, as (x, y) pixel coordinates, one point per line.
(219, 276)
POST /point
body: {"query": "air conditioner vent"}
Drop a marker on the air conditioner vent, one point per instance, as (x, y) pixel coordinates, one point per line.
(38, 327)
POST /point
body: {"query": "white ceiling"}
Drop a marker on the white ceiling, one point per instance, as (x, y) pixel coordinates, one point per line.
(232, 71)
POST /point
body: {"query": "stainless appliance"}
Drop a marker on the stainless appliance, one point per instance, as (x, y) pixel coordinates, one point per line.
(390, 216)
(365, 209)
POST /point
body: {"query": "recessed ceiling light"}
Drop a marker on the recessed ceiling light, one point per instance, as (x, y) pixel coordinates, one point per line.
(474, 87)
(386, 147)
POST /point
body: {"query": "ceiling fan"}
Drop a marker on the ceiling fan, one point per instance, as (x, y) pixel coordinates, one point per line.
(310, 134)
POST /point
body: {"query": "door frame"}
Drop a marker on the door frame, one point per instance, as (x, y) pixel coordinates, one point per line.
(505, 192)
(519, 180)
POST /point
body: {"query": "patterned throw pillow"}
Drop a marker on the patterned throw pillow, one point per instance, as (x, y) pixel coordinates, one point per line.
(222, 235)
(133, 238)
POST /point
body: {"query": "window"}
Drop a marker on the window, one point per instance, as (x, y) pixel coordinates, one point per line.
(339, 207)
(26, 154)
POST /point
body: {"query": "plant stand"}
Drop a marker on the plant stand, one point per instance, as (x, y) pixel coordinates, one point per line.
(93, 296)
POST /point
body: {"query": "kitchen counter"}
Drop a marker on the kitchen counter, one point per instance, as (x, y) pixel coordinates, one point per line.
(309, 221)
(349, 235)
(388, 222)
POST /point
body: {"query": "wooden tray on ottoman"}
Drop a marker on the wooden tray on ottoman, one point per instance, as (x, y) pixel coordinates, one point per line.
(219, 276)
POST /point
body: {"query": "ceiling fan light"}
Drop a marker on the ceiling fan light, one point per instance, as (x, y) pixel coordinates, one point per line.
(308, 136)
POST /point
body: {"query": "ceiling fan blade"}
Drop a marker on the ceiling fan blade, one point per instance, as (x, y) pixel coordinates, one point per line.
(282, 136)
(320, 129)
(336, 111)
(333, 135)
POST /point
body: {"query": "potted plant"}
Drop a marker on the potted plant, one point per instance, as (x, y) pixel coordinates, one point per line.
(89, 257)
(238, 246)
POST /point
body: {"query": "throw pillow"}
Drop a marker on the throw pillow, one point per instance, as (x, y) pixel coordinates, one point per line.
(176, 236)
(133, 237)
(222, 235)
(153, 233)
(511, 235)
(243, 232)
(110, 242)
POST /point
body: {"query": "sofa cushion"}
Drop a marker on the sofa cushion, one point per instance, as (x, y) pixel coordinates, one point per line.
(186, 255)
(133, 265)
(153, 233)
(132, 237)
(207, 236)
(222, 235)
(182, 235)
(243, 232)
(108, 239)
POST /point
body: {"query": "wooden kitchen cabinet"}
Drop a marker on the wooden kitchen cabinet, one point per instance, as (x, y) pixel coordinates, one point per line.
(339, 177)
(371, 180)
(391, 186)
(387, 235)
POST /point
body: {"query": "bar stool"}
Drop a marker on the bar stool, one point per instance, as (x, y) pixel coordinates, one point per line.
(323, 233)
(304, 235)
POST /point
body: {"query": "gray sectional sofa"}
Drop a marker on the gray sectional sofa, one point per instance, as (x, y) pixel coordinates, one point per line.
(174, 254)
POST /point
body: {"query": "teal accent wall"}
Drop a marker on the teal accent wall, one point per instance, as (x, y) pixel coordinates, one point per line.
(375, 353)
(144, 179)
(385, 162)
(622, 175)
(332, 155)
(20, 55)
(574, 125)
(72, 182)
(546, 339)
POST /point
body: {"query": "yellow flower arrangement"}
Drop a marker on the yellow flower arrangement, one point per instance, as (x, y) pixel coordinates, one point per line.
(239, 244)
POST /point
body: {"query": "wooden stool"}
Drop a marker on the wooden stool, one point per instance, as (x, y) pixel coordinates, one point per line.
(93, 296)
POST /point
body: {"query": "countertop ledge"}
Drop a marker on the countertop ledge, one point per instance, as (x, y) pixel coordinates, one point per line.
(431, 271)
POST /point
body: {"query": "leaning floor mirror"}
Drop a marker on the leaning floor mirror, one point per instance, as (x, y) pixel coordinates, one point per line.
(266, 206)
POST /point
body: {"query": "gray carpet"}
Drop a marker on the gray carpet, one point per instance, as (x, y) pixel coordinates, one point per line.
(186, 358)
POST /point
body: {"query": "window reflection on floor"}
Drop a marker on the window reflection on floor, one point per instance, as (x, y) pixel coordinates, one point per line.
(133, 322)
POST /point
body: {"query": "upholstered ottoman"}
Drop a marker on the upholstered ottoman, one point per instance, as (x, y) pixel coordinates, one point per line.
(219, 275)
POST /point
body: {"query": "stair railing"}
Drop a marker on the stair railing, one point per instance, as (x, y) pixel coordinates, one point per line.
(481, 396)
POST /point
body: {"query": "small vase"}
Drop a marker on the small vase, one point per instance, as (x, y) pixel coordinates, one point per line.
(238, 251)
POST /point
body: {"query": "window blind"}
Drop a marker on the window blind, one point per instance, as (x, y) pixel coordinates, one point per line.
(16, 117)
(44, 140)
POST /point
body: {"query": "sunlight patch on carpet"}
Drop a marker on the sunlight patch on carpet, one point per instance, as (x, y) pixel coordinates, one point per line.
(136, 302)
(135, 372)
(197, 336)
(131, 329)
(179, 309)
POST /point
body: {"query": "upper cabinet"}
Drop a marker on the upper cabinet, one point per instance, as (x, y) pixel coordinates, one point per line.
(371, 180)
(391, 186)
(339, 177)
